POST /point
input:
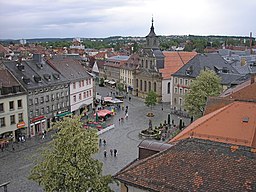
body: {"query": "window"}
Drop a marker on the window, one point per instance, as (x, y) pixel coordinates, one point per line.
(31, 113)
(66, 93)
(11, 105)
(83, 83)
(168, 88)
(80, 96)
(36, 101)
(1, 107)
(176, 80)
(2, 122)
(19, 104)
(145, 86)
(58, 106)
(42, 99)
(87, 81)
(62, 94)
(186, 82)
(181, 81)
(12, 119)
(53, 97)
(80, 83)
(149, 86)
(42, 111)
(47, 109)
(37, 112)
(176, 90)
(47, 98)
(87, 93)
(185, 91)
(20, 117)
(155, 86)
(90, 93)
(175, 101)
(181, 91)
(74, 85)
(84, 94)
(74, 98)
(30, 101)
(180, 101)
(57, 95)
(53, 107)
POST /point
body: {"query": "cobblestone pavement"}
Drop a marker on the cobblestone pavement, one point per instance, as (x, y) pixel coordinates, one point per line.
(16, 165)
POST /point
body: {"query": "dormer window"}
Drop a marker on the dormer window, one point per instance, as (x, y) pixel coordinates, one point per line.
(47, 77)
(56, 76)
(37, 79)
(26, 80)
(20, 67)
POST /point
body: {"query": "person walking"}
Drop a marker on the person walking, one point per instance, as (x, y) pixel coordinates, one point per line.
(111, 152)
(104, 142)
(115, 152)
(100, 142)
(105, 153)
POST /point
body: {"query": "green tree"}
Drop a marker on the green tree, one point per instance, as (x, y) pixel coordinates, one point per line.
(206, 84)
(67, 163)
(150, 100)
(120, 87)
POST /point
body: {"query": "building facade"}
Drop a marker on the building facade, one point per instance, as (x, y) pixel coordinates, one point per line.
(81, 83)
(147, 76)
(13, 107)
(47, 92)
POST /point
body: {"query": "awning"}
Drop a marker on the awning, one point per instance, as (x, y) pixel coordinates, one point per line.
(64, 114)
(103, 113)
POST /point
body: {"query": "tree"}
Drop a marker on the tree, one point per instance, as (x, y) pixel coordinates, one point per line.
(67, 163)
(120, 87)
(206, 84)
(150, 100)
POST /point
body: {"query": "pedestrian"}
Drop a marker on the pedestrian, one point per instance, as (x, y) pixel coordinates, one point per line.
(111, 152)
(100, 142)
(126, 115)
(43, 136)
(104, 142)
(119, 120)
(13, 148)
(130, 98)
(105, 153)
(115, 152)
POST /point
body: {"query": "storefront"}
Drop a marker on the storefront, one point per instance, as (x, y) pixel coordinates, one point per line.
(37, 125)
(21, 130)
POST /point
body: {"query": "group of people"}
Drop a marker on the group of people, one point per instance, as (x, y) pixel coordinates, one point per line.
(112, 152)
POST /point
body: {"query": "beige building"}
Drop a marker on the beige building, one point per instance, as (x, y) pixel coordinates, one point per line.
(127, 70)
(13, 108)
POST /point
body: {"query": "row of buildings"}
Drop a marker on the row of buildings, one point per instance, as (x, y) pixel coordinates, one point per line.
(170, 74)
(36, 92)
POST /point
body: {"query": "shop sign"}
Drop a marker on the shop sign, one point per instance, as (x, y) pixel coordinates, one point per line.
(21, 124)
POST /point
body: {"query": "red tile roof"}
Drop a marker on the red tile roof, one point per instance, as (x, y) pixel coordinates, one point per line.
(194, 165)
(234, 123)
(173, 61)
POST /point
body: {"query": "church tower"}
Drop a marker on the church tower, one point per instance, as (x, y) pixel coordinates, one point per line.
(151, 38)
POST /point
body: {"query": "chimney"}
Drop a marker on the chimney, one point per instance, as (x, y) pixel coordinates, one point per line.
(253, 78)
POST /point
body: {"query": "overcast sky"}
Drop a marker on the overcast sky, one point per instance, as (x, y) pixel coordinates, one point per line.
(104, 18)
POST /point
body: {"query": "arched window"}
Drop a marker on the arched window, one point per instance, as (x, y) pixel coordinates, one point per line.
(145, 86)
(169, 88)
(141, 85)
(155, 86)
(149, 86)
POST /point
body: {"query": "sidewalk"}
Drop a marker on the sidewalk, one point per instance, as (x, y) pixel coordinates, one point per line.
(14, 147)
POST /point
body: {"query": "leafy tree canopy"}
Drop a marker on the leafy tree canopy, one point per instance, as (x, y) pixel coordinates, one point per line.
(150, 100)
(206, 84)
(67, 163)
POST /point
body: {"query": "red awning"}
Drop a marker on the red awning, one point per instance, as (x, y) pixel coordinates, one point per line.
(103, 113)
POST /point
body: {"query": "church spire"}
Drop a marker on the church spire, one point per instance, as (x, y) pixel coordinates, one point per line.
(152, 26)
